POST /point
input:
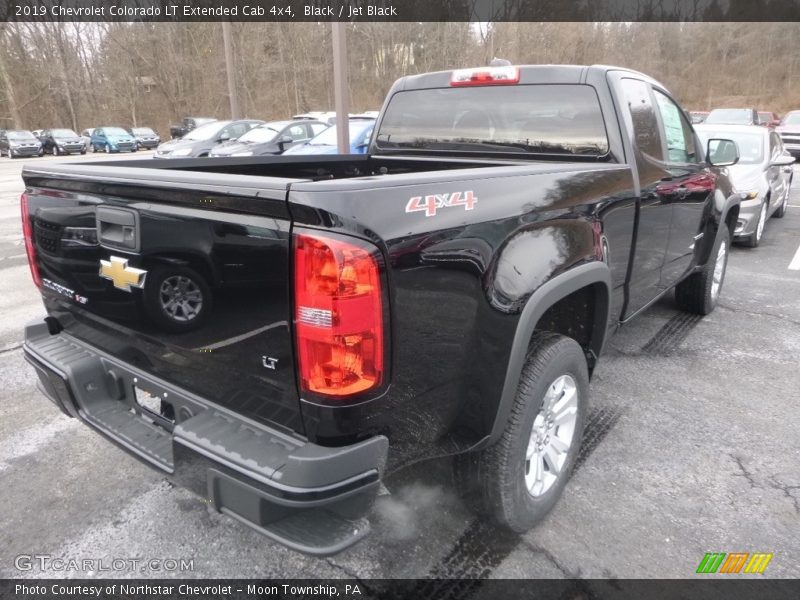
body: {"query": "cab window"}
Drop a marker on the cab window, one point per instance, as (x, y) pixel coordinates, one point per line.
(676, 131)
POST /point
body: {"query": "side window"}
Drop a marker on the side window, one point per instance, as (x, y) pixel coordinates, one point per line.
(366, 135)
(297, 132)
(317, 128)
(643, 117)
(677, 132)
(234, 131)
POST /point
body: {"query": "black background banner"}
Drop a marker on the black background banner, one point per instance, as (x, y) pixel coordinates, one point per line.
(708, 588)
(400, 10)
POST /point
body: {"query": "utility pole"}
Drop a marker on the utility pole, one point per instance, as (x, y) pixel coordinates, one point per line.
(341, 92)
(229, 68)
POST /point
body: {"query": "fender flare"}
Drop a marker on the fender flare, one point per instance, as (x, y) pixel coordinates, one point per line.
(542, 299)
(730, 202)
(723, 209)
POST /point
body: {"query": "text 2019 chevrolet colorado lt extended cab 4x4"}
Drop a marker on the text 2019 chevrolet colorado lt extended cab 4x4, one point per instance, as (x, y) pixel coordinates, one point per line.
(279, 333)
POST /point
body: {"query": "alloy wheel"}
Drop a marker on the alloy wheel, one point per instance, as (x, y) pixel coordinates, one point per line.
(551, 436)
(762, 218)
(719, 269)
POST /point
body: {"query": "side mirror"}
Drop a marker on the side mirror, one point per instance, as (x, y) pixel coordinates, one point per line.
(784, 160)
(284, 141)
(224, 137)
(721, 152)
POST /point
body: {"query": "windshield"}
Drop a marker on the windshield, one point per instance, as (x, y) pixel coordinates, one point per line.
(263, 133)
(205, 132)
(540, 119)
(143, 131)
(731, 116)
(751, 145)
(115, 131)
(21, 136)
(328, 137)
(791, 119)
(63, 133)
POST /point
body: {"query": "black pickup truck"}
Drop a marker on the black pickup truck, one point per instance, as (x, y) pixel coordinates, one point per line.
(280, 333)
(186, 125)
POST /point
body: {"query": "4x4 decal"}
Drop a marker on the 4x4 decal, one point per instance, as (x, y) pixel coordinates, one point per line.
(430, 204)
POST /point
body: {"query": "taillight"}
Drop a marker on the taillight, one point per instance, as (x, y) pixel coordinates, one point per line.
(485, 76)
(338, 315)
(27, 234)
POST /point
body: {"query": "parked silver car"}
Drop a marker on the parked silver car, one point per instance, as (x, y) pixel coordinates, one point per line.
(789, 130)
(762, 177)
(86, 137)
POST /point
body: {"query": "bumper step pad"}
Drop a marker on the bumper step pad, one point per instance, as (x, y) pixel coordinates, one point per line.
(310, 498)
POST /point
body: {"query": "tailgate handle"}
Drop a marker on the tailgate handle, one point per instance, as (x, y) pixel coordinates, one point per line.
(118, 228)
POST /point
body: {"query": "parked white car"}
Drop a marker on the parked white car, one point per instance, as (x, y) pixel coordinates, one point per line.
(762, 176)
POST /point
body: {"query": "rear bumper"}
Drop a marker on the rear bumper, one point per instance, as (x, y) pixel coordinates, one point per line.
(310, 498)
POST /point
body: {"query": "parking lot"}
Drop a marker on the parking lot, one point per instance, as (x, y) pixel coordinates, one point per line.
(692, 446)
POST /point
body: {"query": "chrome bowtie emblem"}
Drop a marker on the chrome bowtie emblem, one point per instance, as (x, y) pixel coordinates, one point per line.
(124, 277)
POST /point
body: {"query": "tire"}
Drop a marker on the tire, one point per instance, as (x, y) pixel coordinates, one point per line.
(500, 481)
(94, 148)
(83, 151)
(699, 292)
(781, 210)
(754, 239)
(194, 302)
(108, 148)
(55, 150)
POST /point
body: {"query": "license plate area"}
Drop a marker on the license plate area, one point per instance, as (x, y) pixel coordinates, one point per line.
(153, 408)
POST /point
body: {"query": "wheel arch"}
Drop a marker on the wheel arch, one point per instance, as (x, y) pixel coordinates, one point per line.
(592, 278)
(192, 260)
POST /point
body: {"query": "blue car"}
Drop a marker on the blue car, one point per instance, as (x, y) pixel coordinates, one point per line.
(325, 142)
(112, 139)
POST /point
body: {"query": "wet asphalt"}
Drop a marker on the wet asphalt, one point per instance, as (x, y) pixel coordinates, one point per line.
(692, 446)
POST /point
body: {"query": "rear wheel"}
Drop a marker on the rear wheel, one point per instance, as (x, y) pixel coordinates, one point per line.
(699, 292)
(518, 480)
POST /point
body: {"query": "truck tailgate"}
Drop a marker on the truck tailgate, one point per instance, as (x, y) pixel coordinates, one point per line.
(141, 269)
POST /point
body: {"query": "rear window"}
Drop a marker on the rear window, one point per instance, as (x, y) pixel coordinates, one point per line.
(539, 119)
(730, 116)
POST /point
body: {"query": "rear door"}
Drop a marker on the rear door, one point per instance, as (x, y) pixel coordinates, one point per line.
(654, 209)
(687, 187)
(188, 283)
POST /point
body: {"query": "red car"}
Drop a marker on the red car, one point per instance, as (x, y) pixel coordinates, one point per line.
(768, 119)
